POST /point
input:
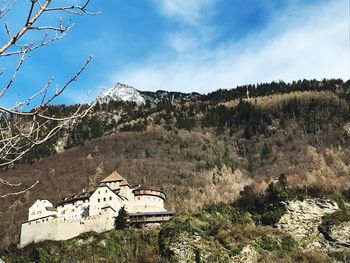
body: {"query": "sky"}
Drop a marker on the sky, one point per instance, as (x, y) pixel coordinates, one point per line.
(186, 45)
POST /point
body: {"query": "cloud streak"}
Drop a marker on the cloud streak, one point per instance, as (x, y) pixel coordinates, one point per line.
(192, 12)
(309, 44)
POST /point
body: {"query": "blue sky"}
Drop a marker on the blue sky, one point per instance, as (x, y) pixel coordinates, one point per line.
(190, 45)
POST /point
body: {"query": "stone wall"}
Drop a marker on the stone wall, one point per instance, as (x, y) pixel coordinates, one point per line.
(60, 229)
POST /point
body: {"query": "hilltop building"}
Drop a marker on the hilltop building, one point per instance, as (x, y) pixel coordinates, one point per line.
(94, 211)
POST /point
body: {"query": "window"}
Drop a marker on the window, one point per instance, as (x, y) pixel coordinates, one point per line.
(104, 199)
(110, 198)
(106, 191)
(138, 198)
(72, 210)
(98, 200)
(98, 192)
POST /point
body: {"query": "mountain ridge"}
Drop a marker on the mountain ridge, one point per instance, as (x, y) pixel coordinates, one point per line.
(127, 93)
(121, 92)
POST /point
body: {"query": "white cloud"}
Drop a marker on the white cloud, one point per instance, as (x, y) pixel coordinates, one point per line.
(188, 11)
(182, 42)
(311, 44)
(194, 17)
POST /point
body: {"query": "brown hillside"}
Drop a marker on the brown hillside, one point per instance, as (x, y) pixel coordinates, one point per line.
(191, 167)
(164, 160)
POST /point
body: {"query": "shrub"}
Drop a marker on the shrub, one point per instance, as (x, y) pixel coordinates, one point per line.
(272, 217)
(269, 243)
(267, 208)
(235, 214)
(288, 243)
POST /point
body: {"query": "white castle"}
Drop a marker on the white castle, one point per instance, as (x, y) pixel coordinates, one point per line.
(93, 211)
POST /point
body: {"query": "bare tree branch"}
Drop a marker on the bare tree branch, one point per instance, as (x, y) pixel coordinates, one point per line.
(20, 192)
(26, 27)
(6, 7)
(22, 130)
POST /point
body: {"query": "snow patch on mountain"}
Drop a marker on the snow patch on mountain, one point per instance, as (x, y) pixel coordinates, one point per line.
(128, 93)
(121, 92)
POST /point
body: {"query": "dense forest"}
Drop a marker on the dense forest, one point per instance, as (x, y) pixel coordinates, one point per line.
(249, 108)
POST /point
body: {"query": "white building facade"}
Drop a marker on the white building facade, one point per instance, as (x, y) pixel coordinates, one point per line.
(91, 211)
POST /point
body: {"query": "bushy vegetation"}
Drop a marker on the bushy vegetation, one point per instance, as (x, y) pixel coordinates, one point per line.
(271, 243)
(115, 246)
(268, 207)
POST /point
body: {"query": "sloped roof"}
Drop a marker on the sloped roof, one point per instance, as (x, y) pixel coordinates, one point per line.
(124, 183)
(108, 206)
(73, 198)
(115, 177)
(48, 208)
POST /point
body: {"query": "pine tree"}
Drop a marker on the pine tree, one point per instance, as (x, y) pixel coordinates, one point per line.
(121, 220)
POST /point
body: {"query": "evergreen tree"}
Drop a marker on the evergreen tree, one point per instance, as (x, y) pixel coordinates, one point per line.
(121, 220)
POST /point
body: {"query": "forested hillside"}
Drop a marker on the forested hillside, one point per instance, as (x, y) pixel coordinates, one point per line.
(200, 151)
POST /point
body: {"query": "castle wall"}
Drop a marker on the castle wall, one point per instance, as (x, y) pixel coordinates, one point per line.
(148, 203)
(61, 229)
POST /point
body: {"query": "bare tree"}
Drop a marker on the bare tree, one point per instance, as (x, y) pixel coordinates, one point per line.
(22, 129)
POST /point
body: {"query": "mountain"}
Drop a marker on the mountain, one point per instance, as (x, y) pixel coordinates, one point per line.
(162, 95)
(122, 92)
(202, 150)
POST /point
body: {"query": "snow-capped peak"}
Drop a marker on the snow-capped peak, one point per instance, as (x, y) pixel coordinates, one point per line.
(121, 92)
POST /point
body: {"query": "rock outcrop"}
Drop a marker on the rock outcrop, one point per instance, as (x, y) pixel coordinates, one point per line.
(346, 128)
(247, 255)
(194, 248)
(341, 234)
(303, 218)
